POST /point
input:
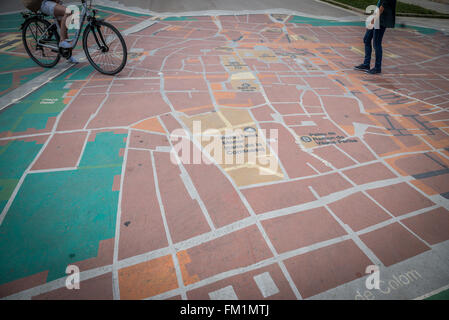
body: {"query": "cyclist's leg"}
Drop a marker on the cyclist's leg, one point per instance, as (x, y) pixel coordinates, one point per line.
(62, 14)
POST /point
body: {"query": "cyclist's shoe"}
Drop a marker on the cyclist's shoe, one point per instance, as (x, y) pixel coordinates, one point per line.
(73, 60)
(66, 44)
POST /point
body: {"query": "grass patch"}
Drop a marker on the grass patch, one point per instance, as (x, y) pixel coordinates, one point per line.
(400, 8)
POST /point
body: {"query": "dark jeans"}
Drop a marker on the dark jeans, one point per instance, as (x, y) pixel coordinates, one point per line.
(375, 36)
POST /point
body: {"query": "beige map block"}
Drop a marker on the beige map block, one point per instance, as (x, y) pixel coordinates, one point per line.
(307, 142)
(263, 55)
(301, 37)
(234, 64)
(243, 76)
(236, 145)
(245, 85)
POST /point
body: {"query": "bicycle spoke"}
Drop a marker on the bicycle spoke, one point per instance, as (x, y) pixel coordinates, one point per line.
(105, 49)
(35, 36)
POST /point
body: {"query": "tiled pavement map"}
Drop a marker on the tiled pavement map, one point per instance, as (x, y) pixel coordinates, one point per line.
(362, 167)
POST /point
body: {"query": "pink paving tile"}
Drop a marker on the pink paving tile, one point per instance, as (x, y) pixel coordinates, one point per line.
(326, 268)
(217, 192)
(124, 110)
(63, 151)
(239, 249)
(277, 196)
(79, 111)
(22, 284)
(138, 85)
(245, 287)
(334, 156)
(369, 173)
(287, 194)
(174, 83)
(184, 216)
(191, 102)
(358, 211)
(283, 93)
(327, 184)
(345, 111)
(172, 124)
(418, 163)
(358, 151)
(431, 226)
(302, 229)
(400, 198)
(145, 140)
(288, 108)
(393, 244)
(98, 288)
(262, 113)
(381, 144)
(296, 162)
(310, 99)
(141, 225)
(439, 183)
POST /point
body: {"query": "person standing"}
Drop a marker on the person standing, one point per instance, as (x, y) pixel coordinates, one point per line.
(375, 34)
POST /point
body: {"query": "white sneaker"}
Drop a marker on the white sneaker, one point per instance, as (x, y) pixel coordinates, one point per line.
(72, 60)
(66, 44)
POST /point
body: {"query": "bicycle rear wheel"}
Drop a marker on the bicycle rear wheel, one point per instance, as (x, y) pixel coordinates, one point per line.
(36, 37)
(105, 47)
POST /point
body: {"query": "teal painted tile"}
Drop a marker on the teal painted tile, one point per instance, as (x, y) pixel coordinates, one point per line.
(11, 22)
(59, 218)
(15, 157)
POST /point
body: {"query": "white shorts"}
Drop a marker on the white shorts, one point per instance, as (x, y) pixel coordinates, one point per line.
(48, 7)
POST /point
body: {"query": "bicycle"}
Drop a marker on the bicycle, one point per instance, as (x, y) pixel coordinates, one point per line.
(103, 44)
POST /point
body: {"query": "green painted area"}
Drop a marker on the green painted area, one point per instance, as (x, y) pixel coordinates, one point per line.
(80, 73)
(323, 22)
(443, 295)
(5, 81)
(34, 110)
(327, 23)
(6, 188)
(128, 13)
(11, 22)
(59, 218)
(180, 19)
(10, 62)
(15, 157)
(13, 63)
(107, 157)
(421, 30)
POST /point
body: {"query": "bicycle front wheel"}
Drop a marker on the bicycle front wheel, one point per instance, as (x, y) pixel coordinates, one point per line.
(105, 47)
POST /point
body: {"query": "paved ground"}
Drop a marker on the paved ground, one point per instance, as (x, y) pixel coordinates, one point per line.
(354, 170)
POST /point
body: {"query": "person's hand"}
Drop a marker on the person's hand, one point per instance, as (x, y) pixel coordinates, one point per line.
(372, 21)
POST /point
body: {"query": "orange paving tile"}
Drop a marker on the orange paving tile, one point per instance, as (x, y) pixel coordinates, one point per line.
(152, 125)
(147, 279)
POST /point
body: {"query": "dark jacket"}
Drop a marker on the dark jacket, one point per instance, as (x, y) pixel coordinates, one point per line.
(388, 17)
